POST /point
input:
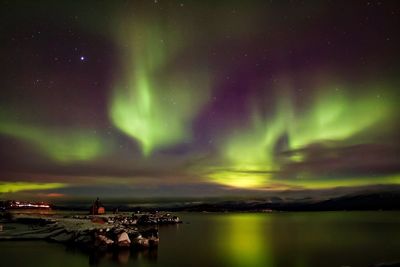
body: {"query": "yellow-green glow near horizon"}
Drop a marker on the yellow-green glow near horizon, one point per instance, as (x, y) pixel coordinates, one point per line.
(243, 178)
(251, 154)
(12, 187)
(64, 146)
(154, 107)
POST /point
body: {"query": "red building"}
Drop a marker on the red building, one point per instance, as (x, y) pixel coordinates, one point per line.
(97, 208)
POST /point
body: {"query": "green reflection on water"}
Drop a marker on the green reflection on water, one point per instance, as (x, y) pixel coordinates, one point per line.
(303, 239)
(246, 240)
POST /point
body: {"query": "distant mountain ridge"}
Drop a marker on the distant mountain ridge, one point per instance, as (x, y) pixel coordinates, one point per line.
(364, 200)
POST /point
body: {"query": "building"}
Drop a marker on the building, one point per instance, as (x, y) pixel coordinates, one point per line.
(97, 208)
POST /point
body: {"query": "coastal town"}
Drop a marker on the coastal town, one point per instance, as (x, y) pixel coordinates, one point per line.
(95, 230)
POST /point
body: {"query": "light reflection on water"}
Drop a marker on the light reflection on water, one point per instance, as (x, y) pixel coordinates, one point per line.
(245, 240)
(328, 239)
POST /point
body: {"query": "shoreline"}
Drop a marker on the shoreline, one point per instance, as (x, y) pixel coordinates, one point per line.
(87, 232)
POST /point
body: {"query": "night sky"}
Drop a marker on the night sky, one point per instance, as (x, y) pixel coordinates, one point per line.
(197, 98)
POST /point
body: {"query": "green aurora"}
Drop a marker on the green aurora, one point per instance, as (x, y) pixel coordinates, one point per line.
(177, 99)
(333, 116)
(152, 106)
(12, 187)
(60, 145)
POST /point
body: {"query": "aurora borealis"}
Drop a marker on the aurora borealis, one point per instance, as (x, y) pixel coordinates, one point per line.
(198, 98)
(155, 109)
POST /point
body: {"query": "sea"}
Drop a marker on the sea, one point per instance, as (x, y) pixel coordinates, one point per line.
(277, 239)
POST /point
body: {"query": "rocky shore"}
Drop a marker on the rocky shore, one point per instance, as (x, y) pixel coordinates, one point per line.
(138, 231)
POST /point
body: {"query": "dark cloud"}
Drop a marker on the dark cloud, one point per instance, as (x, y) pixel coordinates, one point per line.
(332, 160)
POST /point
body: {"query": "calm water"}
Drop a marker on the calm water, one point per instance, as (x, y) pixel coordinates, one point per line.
(280, 239)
